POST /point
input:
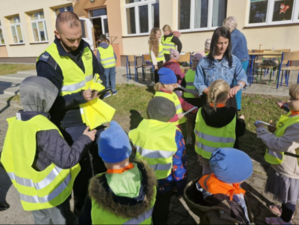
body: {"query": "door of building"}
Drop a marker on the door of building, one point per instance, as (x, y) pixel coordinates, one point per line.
(100, 22)
(87, 31)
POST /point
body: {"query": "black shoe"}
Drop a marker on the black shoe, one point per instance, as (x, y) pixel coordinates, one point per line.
(3, 206)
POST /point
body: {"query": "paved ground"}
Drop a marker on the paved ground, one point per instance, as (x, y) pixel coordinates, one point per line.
(179, 214)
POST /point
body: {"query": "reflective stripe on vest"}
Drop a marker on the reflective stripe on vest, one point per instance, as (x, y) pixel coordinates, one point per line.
(155, 143)
(208, 139)
(167, 44)
(160, 57)
(78, 86)
(107, 57)
(37, 189)
(189, 78)
(144, 216)
(174, 98)
(274, 157)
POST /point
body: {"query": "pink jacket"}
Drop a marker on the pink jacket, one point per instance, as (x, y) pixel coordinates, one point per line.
(174, 66)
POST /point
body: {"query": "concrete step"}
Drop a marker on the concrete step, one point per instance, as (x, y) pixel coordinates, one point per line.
(31, 72)
(5, 100)
(9, 88)
(17, 76)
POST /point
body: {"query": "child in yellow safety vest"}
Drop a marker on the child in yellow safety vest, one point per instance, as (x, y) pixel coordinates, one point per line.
(165, 88)
(282, 141)
(216, 125)
(126, 193)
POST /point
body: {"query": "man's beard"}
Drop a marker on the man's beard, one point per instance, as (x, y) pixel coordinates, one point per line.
(67, 48)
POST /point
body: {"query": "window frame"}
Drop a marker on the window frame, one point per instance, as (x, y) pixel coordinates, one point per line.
(192, 16)
(43, 20)
(137, 23)
(64, 7)
(18, 23)
(3, 36)
(269, 17)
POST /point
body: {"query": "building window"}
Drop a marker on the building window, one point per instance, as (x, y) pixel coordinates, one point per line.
(271, 12)
(141, 16)
(2, 42)
(200, 14)
(39, 28)
(16, 30)
(63, 9)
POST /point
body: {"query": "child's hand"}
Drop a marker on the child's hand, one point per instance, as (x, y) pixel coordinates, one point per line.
(180, 115)
(279, 103)
(156, 67)
(242, 117)
(272, 129)
(90, 134)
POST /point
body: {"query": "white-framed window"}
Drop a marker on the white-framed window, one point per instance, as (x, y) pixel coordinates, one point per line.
(2, 42)
(141, 16)
(39, 28)
(273, 12)
(195, 15)
(63, 9)
(15, 24)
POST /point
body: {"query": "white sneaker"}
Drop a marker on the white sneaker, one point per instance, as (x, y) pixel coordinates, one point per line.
(189, 141)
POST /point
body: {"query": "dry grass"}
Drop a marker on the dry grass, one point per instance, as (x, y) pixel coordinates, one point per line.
(13, 68)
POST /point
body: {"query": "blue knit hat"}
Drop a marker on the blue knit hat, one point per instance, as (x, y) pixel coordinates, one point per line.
(167, 76)
(231, 165)
(114, 145)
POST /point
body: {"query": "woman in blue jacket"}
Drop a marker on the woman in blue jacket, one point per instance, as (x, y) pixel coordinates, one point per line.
(220, 64)
(239, 48)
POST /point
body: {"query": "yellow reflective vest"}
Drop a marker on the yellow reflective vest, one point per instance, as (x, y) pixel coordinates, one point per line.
(209, 139)
(155, 143)
(96, 112)
(174, 98)
(283, 123)
(107, 57)
(189, 78)
(160, 57)
(37, 189)
(167, 44)
(102, 216)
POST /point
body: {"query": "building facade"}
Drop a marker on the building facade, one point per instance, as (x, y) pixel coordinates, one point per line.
(27, 27)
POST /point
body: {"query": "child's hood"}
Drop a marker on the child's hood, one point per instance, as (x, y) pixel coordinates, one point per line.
(104, 45)
(37, 94)
(125, 206)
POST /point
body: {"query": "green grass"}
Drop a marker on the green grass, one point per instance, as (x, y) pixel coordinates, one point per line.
(13, 68)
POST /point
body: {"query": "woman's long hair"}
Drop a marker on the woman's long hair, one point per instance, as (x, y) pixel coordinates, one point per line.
(224, 32)
(154, 42)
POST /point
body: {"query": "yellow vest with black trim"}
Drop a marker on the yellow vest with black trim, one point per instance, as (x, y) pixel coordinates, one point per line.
(37, 189)
(189, 78)
(209, 139)
(283, 123)
(167, 44)
(101, 216)
(174, 98)
(160, 57)
(155, 143)
(107, 57)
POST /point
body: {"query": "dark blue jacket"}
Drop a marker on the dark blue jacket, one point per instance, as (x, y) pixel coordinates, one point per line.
(239, 45)
(65, 111)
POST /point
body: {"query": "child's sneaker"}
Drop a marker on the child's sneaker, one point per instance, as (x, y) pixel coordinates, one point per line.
(114, 92)
(108, 94)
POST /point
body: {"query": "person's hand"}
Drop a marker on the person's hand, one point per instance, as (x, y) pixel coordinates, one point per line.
(279, 103)
(180, 115)
(233, 91)
(195, 93)
(242, 117)
(156, 67)
(91, 134)
(273, 128)
(90, 94)
(176, 85)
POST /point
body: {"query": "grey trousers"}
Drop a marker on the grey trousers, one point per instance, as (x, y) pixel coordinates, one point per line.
(60, 214)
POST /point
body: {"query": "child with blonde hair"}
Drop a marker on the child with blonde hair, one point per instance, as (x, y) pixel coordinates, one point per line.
(165, 88)
(217, 126)
(170, 40)
(282, 153)
(156, 51)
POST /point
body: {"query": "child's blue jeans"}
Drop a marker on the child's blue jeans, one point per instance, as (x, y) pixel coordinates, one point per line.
(110, 78)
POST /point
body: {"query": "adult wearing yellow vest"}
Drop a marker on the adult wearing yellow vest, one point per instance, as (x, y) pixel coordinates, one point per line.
(39, 162)
(156, 51)
(283, 144)
(106, 56)
(170, 40)
(126, 194)
(162, 146)
(70, 65)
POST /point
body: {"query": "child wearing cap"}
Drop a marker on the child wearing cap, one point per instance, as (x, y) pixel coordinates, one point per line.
(162, 146)
(216, 125)
(165, 88)
(207, 45)
(126, 193)
(223, 184)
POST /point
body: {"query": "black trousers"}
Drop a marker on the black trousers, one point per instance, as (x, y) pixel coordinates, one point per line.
(91, 164)
(159, 64)
(161, 208)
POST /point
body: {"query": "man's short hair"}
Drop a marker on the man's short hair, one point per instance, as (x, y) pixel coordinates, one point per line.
(67, 17)
(103, 38)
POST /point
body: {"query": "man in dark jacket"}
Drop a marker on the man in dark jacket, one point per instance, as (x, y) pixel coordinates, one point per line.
(65, 112)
